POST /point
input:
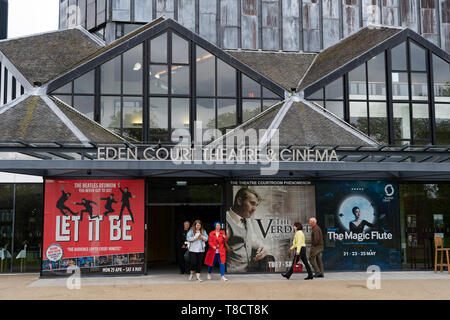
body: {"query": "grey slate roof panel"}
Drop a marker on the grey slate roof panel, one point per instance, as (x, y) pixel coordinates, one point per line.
(43, 57)
(283, 68)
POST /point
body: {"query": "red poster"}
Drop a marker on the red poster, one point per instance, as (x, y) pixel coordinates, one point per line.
(97, 225)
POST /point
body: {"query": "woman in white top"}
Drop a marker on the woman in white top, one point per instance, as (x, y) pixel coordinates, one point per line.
(196, 238)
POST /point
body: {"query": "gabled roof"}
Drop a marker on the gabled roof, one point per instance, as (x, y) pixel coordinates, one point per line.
(42, 57)
(40, 119)
(284, 68)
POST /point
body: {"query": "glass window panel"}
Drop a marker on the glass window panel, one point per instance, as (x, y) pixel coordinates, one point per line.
(418, 57)
(101, 12)
(159, 118)
(180, 113)
(226, 114)
(378, 123)
(400, 88)
(269, 103)
(159, 79)
(419, 86)
(336, 107)
(110, 76)
(6, 231)
(180, 79)
(129, 28)
(250, 108)
(28, 224)
(142, 10)
(180, 49)
(335, 90)
(358, 116)
(85, 83)
(357, 83)
(318, 95)
(132, 118)
(441, 76)
(158, 49)
(250, 88)
(320, 103)
(376, 77)
(65, 99)
(121, 10)
(398, 56)
(442, 112)
(110, 113)
(402, 124)
(132, 71)
(85, 105)
(206, 112)
(81, 13)
(421, 123)
(206, 73)
(269, 94)
(67, 88)
(226, 79)
(90, 21)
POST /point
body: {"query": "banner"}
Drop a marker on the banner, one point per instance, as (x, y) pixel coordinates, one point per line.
(97, 225)
(361, 224)
(259, 223)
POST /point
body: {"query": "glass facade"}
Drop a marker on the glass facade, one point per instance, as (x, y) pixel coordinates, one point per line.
(86, 13)
(407, 113)
(181, 82)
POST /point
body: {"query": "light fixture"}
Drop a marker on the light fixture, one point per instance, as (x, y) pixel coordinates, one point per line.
(137, 66)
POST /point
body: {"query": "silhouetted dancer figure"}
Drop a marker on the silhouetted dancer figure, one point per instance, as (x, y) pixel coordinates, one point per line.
(126, 202)
(87, 208)
(60, 204)
(108, 205)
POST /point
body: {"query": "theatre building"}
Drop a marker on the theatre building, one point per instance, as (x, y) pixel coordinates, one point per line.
(127, 139)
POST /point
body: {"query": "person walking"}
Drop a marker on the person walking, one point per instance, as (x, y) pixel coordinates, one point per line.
(216, 250)
(181, 248)
(300, 246)
(196, 238)
(315, 255)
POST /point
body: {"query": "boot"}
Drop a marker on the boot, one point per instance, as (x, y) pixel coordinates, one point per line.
(287, 275)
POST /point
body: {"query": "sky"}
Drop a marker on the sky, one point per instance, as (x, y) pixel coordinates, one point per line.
(26, 17)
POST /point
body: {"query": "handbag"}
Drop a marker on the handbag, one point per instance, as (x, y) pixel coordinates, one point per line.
(187, 256)
(297, 267)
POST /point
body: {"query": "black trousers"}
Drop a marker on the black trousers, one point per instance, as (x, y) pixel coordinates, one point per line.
(304, 260)
(184, 267)
(196, 261)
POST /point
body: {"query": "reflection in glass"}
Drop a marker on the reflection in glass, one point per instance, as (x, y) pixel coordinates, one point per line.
(377, 77)
(250, 88)
(335, 90)
(358, 116)
(269, 94)
(250, 108)
(226, 80)
(159, 79)
(6, 231)
(85, 105)
(159, 118)
(418, 57)
(398, 55)
(441, 76)
(402, 124)
(226, 113)
(378, 123)
(142, 10)
(421, 123)
(180, 79)
(65, 98)
(180, 113)
(206, 112)
(180, 49)
(442, 112)
(110, 113)
(110, 76)
(67, 88)
(85, 83)
(336, 107)
(419, 86)
(132, 71)
(206, 73)
(269, 103)
(121, 10)
(101, 11)
(28, 228)
(158, 49)
(357, 83)
(132, 118)
(400, 88)
(318, 95)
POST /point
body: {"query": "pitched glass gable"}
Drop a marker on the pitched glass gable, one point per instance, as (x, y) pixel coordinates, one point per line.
(167, 82)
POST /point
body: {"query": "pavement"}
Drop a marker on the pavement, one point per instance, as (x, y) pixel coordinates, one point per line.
(401, 285)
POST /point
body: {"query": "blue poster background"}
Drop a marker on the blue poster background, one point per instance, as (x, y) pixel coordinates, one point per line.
(378, 240)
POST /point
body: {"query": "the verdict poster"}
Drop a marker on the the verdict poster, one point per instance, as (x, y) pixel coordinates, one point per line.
(97, 225)
(361, 224)
(260, 228)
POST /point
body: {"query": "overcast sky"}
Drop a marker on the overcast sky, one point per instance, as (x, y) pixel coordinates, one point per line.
(27, 17)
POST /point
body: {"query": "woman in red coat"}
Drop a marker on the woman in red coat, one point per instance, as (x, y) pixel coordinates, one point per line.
(216, 250)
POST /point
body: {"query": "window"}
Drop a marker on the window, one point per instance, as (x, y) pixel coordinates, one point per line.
(121, 10)
(142, 10)
(441, 78)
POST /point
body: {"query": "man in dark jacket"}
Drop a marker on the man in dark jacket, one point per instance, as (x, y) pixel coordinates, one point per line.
(181, 244)
(315, 255)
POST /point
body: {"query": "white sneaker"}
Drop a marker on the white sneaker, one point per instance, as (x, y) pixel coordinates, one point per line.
(199, 280)
(190, 277)
(208, 276)
(224, 279)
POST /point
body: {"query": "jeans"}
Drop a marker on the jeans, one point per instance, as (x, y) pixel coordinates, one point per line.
(222, 265)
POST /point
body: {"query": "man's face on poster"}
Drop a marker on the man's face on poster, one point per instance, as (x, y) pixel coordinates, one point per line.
(248, 205)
